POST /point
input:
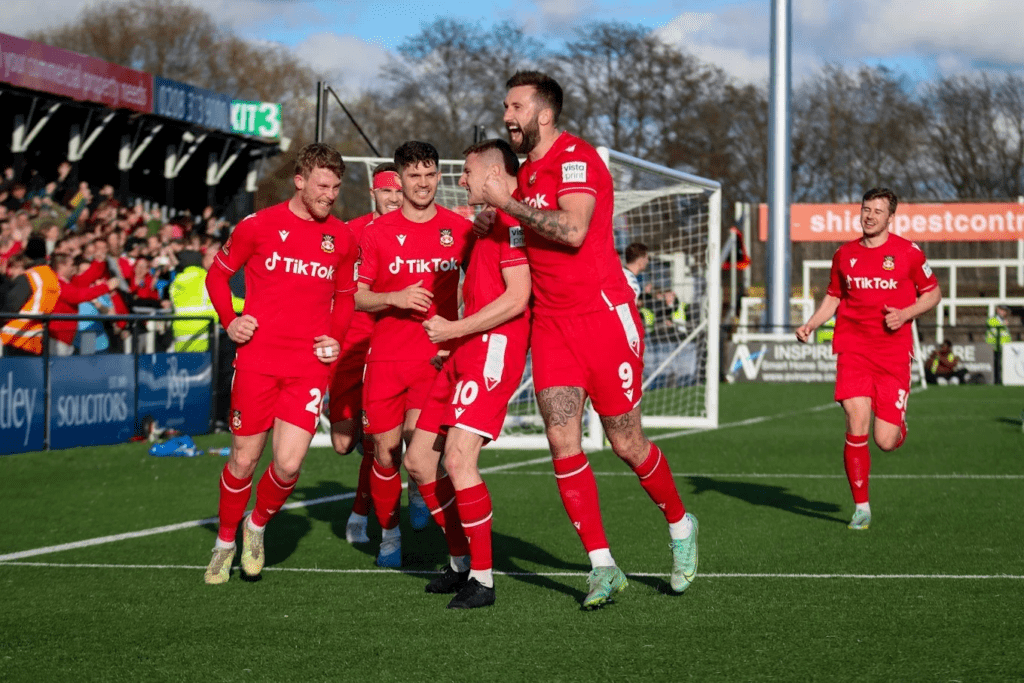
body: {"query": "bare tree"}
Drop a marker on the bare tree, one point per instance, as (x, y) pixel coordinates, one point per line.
(976, 135)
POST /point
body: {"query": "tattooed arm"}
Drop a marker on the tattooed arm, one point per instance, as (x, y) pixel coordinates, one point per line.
(566, 225)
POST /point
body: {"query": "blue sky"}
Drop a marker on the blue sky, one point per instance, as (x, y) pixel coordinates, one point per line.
(350, 39)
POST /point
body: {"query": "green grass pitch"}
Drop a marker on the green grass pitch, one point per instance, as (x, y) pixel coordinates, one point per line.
(934, 591)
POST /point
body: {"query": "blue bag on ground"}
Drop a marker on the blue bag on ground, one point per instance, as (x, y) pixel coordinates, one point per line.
(178, 447)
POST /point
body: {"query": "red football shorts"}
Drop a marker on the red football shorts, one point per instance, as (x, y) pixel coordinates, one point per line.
(888, 385)
(391, 388)
(257, 399)
(602, 352)
(345, 401)
(475, 385)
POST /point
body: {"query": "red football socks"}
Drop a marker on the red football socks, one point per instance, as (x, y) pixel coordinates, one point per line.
(578, 488)
(857, 458)
(271, 493)
(476, 512)
(386, 493)
(361, 504)
(656, 478)
(439, 497)
(234, 496)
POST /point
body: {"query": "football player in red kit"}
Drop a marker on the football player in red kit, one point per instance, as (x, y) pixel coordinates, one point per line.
(411, 259)
(587, 337)
(469, 400)
(345, 401)
(879, 284)
(299, 272)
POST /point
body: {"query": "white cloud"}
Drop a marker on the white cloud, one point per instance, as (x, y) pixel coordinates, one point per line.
(23, 17)
(349, 63)
(981, 30)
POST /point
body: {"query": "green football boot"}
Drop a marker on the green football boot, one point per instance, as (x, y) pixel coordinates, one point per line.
(684, 559)
(604, 582)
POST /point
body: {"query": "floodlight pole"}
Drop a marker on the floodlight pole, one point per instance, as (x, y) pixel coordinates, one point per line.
(779, 190)
(321, 106)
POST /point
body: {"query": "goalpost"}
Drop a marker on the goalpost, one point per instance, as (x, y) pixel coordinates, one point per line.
(678, 217)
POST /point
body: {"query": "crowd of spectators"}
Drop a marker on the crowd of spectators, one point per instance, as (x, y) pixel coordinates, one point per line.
(135, 252)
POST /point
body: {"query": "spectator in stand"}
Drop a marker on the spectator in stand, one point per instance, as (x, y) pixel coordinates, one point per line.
(16, 266)
(35, 291)
(16, 199)
(943, 367)
(74, 289)
(91, 335)
(64, 186)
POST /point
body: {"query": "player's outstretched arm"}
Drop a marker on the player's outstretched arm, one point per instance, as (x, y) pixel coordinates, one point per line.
(566, 225)
(895, 318)
(511, 303)
(825, 311)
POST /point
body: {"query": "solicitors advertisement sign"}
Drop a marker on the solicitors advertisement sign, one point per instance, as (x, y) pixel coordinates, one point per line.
(990, 222)
(771, 361)
(92, 400)
(22, 405)
(174, 390)
(36, 66)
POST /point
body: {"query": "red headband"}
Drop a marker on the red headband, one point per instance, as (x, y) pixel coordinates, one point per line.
(386, 180)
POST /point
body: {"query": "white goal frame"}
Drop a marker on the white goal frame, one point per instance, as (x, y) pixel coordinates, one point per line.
(706, 331)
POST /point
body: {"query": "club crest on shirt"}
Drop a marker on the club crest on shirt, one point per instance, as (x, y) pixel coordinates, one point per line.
(227, 247)
(888, 263)
(446, 237)
(236, 419)
(327, 245)
(532, 180)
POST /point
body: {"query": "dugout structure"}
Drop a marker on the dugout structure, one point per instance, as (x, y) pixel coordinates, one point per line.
(678, 217)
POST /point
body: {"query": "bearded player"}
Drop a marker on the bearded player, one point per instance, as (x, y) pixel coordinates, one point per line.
(409, 272)
(879, 284)
(299, 274)
(587, 337)
(469, 400)
(345, 401)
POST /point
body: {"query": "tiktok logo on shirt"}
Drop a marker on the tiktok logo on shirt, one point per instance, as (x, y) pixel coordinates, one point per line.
(422, 265)
(870, 283)
(300, 267)
(539, 201)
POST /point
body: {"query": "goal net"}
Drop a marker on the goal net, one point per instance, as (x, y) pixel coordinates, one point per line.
(677, 216)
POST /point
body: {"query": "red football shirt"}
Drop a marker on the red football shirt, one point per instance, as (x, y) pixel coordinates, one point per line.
(868, 279)
(567, 279)
(397, 253)
(361, 327)
(293, 268)
(501, 248)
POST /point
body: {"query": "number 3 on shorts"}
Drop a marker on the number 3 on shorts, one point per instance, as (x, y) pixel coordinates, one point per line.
(901, 401)
(314, 404)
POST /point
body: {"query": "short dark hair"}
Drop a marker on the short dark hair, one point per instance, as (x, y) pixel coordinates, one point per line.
(415, 152)
(319, 155)
(548, 90)
(509, 157)
(881, 193)
(635, 252)
(57, 260)
(946, 343)
(384, 168)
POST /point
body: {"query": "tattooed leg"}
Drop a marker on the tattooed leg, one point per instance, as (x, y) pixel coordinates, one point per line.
(627, 437)
(562, 410)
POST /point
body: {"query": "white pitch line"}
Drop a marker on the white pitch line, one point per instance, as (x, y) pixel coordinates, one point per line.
(784, 475)
(703, 575)
(86, 543)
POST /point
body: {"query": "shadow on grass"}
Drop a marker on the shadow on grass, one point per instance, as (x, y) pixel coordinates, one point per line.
(509, 549)
(777, 497)
(1015, 421)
